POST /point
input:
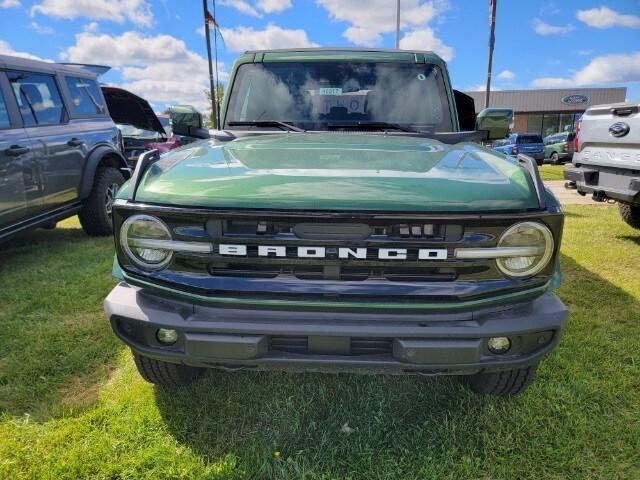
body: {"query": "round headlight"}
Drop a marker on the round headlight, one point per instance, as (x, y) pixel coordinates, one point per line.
(532, 235)
(139, 236)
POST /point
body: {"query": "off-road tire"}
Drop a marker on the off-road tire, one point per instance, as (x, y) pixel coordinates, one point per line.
(502, 384)
(630, 214)
(94, 218)
(555, 158)
(165, 374)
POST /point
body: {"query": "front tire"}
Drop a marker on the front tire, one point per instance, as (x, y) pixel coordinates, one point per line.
(95, 216)
(555, 159)
(502, 384)
(630, 214)
(166, 374)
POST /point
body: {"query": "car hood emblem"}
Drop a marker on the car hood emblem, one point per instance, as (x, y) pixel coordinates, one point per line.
(619, 129)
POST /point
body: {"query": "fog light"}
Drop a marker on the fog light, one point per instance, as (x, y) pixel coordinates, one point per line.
(499, 345)
(167, 336)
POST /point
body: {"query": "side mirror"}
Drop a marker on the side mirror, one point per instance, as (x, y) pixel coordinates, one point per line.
(187, 121)
(495, 121)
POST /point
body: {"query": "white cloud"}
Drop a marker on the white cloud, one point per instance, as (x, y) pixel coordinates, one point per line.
(136, 11)
(605, 69)
(604, 17)
(9, 3)
(425, 39)
(41, 29)
(5, 49)
(543, 28)
(506, 75)
(273, 6)
(91, 27)
(241, 6)
(246, 38)
(370, 20)
(584, 53)
(159, 68)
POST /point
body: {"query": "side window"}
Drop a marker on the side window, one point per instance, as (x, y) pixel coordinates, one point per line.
(38, 98)
(4, 114)
(86, 98)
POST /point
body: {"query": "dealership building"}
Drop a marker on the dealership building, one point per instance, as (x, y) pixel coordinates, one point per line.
(549, 111)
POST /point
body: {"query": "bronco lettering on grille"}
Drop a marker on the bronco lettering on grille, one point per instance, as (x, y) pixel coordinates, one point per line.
(358, 253)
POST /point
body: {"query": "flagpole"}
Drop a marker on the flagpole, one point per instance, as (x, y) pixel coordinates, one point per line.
(208, 38)
(492, 41)
(215, 50)
(398, 25)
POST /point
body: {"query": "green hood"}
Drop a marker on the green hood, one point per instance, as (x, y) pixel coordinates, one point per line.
(338, 171)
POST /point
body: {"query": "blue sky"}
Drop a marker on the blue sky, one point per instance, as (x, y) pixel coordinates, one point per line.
(157, 50)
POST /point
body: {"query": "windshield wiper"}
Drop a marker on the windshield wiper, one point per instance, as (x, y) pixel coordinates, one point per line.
(375, 125)
(266, 123)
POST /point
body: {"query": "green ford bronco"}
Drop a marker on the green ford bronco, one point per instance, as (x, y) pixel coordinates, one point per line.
(343, 219)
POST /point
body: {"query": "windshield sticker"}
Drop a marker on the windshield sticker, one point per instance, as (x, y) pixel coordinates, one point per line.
(331, 91)
(422, 77)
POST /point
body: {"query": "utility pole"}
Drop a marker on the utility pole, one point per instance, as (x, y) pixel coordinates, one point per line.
(492, 41)
(398, 25)
(215, 50)
(207, 16)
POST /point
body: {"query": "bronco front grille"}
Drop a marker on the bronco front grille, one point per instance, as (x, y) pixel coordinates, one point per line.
(341, 257)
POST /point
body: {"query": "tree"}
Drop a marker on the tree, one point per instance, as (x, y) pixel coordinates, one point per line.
(210, 118)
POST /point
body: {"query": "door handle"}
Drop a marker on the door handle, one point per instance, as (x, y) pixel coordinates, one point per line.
(75, 142)
(16, 150)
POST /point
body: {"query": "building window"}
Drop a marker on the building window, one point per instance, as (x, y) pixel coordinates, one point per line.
(534, 123)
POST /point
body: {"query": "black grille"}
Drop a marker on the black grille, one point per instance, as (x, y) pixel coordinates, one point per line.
(359, 346)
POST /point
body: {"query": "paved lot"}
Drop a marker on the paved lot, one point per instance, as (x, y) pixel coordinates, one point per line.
(569, 197)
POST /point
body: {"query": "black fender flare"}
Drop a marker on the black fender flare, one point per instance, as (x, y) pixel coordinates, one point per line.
(91, 165)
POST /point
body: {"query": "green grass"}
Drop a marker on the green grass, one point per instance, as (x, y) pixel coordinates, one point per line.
(552, 172)
(73, 405)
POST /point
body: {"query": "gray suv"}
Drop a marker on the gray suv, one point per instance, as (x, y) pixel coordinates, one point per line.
(60, 151)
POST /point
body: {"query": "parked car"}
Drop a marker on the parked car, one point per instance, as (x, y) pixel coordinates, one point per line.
(341, 220)
(606, 162)
(558, 148)
(59, 149)
(142, 130)
(527, 143)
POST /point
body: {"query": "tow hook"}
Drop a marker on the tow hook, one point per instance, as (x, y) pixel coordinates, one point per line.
(599, 196)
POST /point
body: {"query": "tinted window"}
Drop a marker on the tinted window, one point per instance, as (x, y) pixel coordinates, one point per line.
(525, 139)
(86, 98)
(4, 115)
(38, 98)
(314, 94)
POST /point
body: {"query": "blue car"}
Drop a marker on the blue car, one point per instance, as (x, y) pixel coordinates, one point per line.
(527, 143)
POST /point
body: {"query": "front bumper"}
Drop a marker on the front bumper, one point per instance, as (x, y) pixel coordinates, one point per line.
(453, 343)
(605, 182)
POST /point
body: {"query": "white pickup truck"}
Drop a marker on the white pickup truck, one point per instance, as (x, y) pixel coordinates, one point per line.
(606, 162)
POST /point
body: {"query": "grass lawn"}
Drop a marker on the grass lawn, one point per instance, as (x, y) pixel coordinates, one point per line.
(72, 405)
(551, 172)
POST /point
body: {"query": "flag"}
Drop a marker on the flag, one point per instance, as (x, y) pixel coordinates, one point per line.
(208, 18)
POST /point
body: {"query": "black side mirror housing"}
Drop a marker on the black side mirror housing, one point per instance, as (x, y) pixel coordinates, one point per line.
(465, 106)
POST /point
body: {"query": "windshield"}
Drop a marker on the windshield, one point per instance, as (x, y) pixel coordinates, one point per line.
(166, 124)
(133, 132)
(312, 95)
(527, 139)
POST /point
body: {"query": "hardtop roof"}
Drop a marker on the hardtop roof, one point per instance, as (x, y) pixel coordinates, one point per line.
(21, 63)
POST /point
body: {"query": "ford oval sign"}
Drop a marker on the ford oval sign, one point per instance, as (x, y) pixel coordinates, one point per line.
(575, 99)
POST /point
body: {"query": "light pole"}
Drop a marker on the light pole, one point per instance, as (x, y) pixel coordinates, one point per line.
(492, 40)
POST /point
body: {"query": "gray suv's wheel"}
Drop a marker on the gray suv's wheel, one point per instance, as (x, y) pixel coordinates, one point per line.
(502, 384)
(630, 214)
(165, 373)
(95, 216)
